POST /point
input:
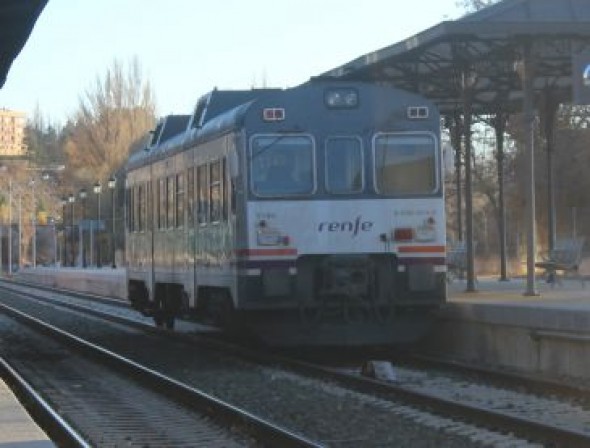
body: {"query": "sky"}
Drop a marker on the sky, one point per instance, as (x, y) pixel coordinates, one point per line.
(188, 47)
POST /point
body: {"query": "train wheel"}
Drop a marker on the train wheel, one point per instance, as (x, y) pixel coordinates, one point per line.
(310, 312)
(220, 308)
(385, 312)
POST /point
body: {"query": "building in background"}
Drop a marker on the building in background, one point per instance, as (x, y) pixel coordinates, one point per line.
(12, 127)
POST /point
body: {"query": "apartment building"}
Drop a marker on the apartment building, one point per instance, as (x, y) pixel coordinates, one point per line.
(12, 125)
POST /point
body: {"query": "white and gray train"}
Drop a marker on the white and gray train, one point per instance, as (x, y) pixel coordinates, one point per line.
(311, 215)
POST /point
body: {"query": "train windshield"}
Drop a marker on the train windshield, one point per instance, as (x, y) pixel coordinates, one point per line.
(344, 165)
(405, 164)
(282, 165)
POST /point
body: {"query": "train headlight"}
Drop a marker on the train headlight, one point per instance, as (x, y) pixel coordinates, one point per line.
(342, 98)
(270, 237)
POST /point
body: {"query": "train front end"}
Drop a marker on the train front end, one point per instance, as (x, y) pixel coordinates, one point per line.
(343, 239)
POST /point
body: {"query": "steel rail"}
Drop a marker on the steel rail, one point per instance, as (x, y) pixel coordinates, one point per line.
(50, 421)
(260, 429)
(534, 384)
(520, 426)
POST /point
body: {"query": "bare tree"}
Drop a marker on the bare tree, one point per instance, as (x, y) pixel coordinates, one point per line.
(110, 117)
(474, 5)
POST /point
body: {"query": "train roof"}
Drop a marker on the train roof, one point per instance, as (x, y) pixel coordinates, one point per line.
(217, 102)
(215, 110)
(168, 127)
(219, 111)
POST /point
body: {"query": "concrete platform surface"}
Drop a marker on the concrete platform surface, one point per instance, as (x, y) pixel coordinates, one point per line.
(564, 307)
(491, 290)
(105, 281)
(501, 327)
(17, 428)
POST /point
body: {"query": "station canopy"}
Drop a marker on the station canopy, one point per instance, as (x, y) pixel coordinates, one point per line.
(17, 18)
(484, 48)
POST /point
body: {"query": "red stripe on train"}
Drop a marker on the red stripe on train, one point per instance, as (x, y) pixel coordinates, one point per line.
(266, 252)
(421, 249)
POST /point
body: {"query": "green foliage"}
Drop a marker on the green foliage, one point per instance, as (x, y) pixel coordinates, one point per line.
(43, 141)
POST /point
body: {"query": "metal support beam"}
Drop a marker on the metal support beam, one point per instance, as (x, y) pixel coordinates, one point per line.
(499, 128)
(468, 82)
(456, 132)
(547, 112)
(527, 77)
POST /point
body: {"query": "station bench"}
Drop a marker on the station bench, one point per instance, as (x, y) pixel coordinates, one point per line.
(456, 260)
(563, 261)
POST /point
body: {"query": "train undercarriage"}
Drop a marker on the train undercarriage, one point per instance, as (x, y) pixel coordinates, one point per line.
(331, 299)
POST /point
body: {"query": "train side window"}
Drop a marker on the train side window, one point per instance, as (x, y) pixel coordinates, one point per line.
(203, 194)
(130, 209)
(215, 192)
(180, 198)
(190, 193)
(155, 204)
(140, 208)
(161, 204)
(136, 208)
(225, 199)
(134, 212)
(143, 207)
(344, 165)
(170, 193)
(149, 207)
(405, 164)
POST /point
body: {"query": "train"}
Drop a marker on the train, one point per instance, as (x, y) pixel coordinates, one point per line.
(307, 215)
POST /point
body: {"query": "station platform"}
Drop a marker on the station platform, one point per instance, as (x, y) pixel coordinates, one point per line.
(491, 290)
(104, 281)
(17, 428)
(508, 300)
(501, 327)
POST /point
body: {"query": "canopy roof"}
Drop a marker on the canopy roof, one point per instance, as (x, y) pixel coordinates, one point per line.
(17, 18)
(484, 47)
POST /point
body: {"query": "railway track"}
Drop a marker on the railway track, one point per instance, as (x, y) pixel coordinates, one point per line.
(55, 426)
(421, 406)
(113, 401)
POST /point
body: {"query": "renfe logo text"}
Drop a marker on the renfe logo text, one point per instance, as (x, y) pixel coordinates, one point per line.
(353, 227)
